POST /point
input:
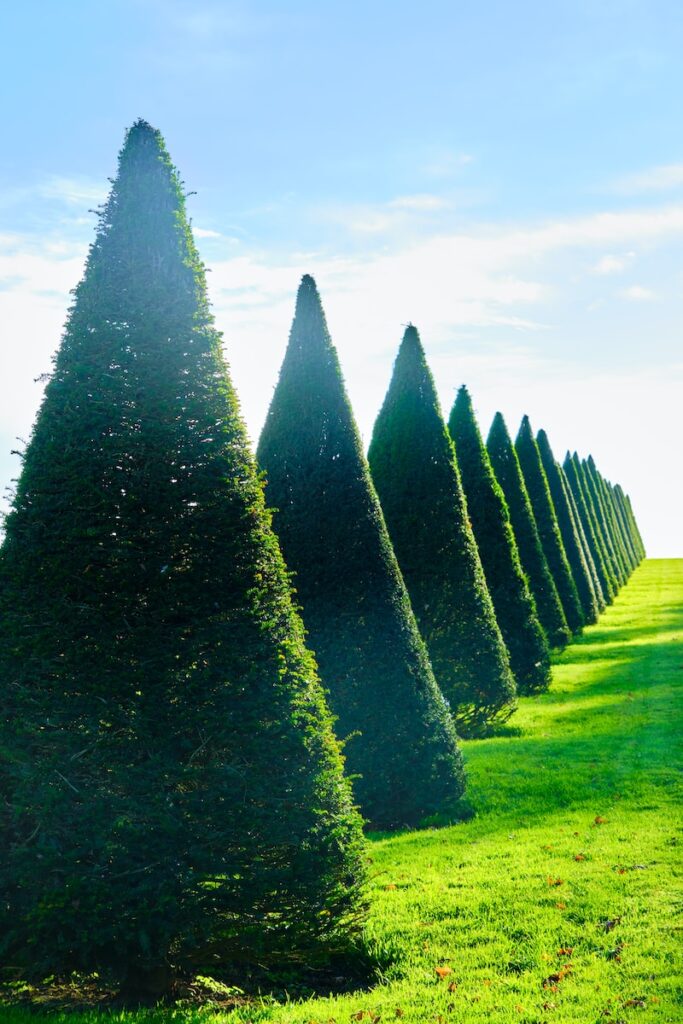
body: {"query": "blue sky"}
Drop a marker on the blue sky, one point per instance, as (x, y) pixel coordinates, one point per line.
(509, 177)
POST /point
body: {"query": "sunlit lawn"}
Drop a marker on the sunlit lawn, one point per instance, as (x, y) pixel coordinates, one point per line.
(556, 901)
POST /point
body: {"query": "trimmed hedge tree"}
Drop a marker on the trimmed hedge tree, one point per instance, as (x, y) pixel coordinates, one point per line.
(514, 606)
(604, 525)
(585, 547)
(400, 741)
(574, 473)
(415, 472)
(546, 520)
(506, 467)
(568, 530)
(172, 791)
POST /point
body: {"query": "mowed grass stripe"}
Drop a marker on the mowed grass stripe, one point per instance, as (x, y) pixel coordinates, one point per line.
(556, 901)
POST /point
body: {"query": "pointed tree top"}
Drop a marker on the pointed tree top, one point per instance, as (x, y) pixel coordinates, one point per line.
(525, 427)
(411, 363)
(309, 324)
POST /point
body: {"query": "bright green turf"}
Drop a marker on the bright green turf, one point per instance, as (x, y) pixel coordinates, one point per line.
(477, 897)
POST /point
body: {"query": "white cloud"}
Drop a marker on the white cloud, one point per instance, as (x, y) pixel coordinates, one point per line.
(614, 264)
(205, 233)
(421, 203)
(654, 179)
(488, 302)
(636, 293)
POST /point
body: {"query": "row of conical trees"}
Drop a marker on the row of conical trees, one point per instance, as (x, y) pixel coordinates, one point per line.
(174, 794)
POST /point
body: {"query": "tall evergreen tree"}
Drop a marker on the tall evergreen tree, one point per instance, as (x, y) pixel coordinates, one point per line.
(568, 530)
(585, 546)
(514, 606)
(171, 787)
(546, 520)
(508, 473)
(401, 740)
(574, 473)
(612, 518)
(604, 523)
(416, 475)
(625, 505)
(624, 535)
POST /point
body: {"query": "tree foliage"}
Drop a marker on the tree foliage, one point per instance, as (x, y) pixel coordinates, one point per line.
(415, 471)
(401, 743)
(172, 792)
(512, 600)
(577, 484)
(546, 520)
(505, 464)
(568, 530)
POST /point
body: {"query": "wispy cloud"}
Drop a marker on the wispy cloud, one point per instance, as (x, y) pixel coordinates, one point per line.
(637, 293)
(614, 264)
(654, 179)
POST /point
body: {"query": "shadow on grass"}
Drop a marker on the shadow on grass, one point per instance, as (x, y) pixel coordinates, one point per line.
(232, 986)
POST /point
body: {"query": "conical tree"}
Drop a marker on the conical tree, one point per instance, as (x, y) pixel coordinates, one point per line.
(624, 536)
(568, 530)
(625, 505)
(414, 469)
(625, 532)
(506, 467)
(604, 524)
(585, 547)
(617, 540)
(399, 736)
(172, 790)
(574, 473)
(546, 520)
(514, 606)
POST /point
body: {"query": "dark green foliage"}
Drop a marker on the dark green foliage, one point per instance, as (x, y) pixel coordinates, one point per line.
(514, 606)
(414, 469)
(568, 530)
(625, 505)
(574, 473)
(172, 792)
(619, 540)
(506, 467)
(604, 523)
(546, 520)
(355, 606)
(624, 535)
(585, 546)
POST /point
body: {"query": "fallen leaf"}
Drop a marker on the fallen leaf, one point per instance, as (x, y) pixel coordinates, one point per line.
(519, 1008)
(640, 1003)
(565, 951)
(399, 1012)
(443, 972)
(486, 982)
(555, 881)
(579, 856)
(550, 1006)
(599, 820)
(390, 886)
(452, 986)
(561, 906)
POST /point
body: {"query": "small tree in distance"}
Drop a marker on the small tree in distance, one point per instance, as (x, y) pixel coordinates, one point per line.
(568, 530)
(508, 473)
(514, 606)
(546, 520)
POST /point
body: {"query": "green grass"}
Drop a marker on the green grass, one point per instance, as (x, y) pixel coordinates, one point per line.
(576, 825)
